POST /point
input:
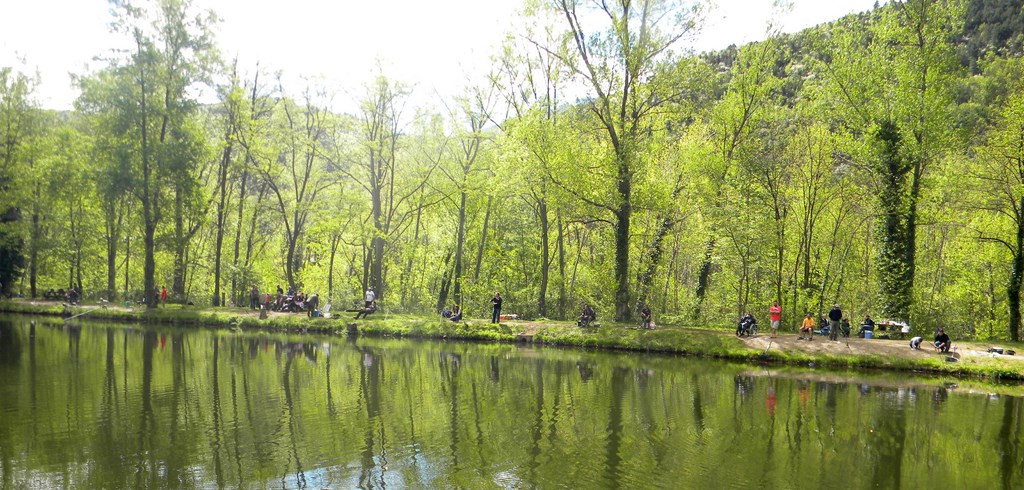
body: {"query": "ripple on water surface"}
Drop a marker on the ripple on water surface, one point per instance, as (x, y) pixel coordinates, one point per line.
(111, 407)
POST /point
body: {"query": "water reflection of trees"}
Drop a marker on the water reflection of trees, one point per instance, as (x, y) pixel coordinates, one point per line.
(220, 409)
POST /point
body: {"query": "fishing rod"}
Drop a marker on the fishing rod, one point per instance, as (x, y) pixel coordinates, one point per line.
(68, 319)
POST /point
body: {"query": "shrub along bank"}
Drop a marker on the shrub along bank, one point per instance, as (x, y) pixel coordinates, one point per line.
(666, 339)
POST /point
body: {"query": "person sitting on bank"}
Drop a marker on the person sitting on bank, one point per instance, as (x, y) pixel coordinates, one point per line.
(587, 315)
(915, 343)
(823, 327)
(942, 342)
(372, 307)
(456, 313)
(645, 318)
(748, 325)
(807, 327)
(868, 325)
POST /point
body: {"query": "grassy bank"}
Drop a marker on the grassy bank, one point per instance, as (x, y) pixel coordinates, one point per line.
(666, 339)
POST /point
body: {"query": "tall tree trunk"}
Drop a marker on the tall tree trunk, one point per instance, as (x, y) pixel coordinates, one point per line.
(669, 278)
(112, 224)
(483, 241)
(74, 218)
(645, 279)
(780, 253)
(293, 259)
(563, 298)
(111, 268)
(149, 263)
(335, 240)
(545, 257)
(33, 254)
(1016, 277)
(150, 206)
(911, 233)
(367, 253)
(623, 215)
(460, 236)
(827, 272)
(377, 242)
(127, 263)
(895, 284)
(251, 239)
(222, 189)
(442, 291)
(180, 245)
(991, 296)
(704, 277)
(406, 288)
(235, 292)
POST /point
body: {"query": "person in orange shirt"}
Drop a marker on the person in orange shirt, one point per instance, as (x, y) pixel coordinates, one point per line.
(807, 327)
(775, 316)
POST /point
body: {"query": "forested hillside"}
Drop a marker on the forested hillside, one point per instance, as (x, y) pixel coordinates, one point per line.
(876, 161)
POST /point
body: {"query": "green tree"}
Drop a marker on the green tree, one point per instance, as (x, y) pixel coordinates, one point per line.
(892, 82)
(151, 109)
(380, 136)
(232, 99)
(743, 110)
(289, 156)
(619, 65)
(1001, 174)
(17, 116)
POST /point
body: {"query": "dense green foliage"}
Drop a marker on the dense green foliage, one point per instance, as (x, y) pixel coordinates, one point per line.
(869, 162)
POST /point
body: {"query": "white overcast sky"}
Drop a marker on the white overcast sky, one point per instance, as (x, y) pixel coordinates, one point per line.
(433, 45)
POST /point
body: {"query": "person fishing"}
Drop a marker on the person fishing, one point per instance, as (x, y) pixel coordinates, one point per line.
(496, 307)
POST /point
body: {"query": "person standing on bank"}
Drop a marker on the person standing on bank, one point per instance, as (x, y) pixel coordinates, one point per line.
(834, 316)
(163, 296)
(369, 297)
(311, 304)
(495, 307)
(775, 316)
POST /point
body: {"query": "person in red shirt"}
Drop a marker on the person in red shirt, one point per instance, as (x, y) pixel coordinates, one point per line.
(163, 295)
(775, 316)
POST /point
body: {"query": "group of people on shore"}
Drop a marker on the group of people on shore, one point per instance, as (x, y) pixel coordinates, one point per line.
(941, 342)
(455, 312)
(834, 324)
(292, 300)
(586, 318)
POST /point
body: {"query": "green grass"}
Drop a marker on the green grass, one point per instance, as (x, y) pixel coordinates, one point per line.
(667, 339)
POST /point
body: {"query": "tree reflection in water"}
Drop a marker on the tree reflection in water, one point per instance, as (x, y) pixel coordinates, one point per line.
(98, 406)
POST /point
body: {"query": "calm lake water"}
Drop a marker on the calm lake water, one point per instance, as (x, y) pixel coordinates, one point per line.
(107, 406)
